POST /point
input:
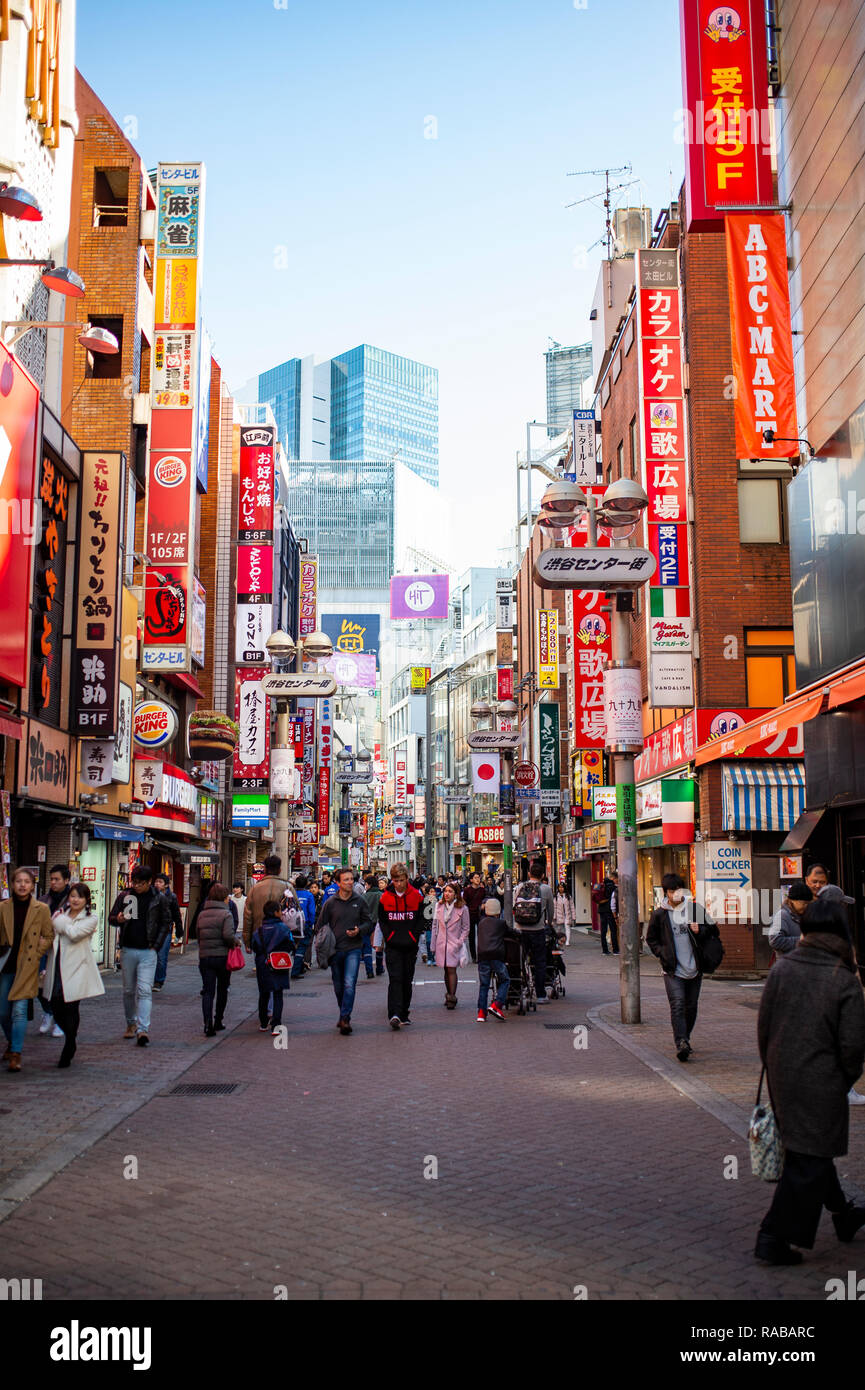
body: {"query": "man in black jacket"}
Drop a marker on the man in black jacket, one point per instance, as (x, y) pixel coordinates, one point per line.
(144, 919)
(676, 936)
(162, 886)
(347, 915)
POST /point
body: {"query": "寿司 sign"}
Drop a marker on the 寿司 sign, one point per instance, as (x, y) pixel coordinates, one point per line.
(169, 795)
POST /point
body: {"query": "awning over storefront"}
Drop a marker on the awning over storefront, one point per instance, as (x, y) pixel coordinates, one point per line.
(802, 831)
(762, 796)
(776, 722)
(11, 726)
(182, 681)
(116, 830)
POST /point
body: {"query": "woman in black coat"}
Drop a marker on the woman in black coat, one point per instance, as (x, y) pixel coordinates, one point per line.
(811, 1030)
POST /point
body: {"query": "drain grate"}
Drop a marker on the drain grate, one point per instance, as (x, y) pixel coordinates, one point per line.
(569, 1027)
(205, 1088)
(303, 994)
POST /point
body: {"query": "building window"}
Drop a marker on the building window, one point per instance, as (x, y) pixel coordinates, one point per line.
(761, 511)
(770, 666)
(632, 445)
(620, 460)
(104, 365)
(110, 197)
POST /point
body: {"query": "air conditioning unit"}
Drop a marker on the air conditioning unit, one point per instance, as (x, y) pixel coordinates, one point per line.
(147, 225)
(141, 408)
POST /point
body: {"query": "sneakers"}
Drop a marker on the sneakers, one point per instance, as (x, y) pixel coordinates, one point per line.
(143, 1040)
(482, 1015)
(158, 984)
(57, 1031)
(264, 1027)
(276, 1031)
(406, 1022)
(46, 1023)
(776, 1251)
(542, 999)
(854, 1097)
(496, 1011)
(394, 1023)
(131, 1031)
(848, 1221)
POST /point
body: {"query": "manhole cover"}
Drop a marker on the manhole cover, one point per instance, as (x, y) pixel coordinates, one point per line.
(205, 1088)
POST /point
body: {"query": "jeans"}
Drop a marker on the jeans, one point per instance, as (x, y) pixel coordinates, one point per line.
(269, 1005)
(683, 996)
(608, 924)
(400, 976)
(535, 942)
(139, 967)
(215, 978)
(344, 966)
(300, 954)
(807, 1185)
(379, 961)
(428, 939)
(13, 1016)
(486, 969)
(162, 961)
(366, 954)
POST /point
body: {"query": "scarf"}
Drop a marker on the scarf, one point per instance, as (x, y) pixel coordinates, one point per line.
(448, 911)
(834, 945)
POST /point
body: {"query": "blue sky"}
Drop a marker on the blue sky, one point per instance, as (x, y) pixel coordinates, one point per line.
(457, 250)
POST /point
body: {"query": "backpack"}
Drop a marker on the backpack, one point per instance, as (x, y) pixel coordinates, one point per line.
(528, 905)
(711, 953)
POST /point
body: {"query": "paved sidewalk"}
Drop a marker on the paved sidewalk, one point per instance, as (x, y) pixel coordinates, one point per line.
(447, 1161)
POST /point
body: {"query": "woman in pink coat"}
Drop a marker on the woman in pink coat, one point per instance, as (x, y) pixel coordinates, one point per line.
(450, 932)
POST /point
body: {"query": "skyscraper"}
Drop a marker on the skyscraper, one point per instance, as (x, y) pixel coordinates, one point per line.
(364, 404)
(567, 369)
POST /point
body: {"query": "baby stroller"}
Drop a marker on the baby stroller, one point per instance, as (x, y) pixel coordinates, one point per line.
(555, 964)
(521, 993)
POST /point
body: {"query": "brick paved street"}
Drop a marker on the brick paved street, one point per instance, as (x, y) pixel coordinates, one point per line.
(557, 1167)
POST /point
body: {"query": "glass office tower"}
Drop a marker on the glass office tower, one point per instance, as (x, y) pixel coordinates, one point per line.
(364, 404)
(567, 369)
(345, 510)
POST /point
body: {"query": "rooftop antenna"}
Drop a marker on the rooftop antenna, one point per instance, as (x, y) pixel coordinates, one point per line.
(606, 191)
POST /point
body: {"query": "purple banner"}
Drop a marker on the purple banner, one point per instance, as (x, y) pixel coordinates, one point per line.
(348, 669)
(419, 596)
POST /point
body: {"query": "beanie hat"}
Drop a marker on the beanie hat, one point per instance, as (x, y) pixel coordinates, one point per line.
(492, 907)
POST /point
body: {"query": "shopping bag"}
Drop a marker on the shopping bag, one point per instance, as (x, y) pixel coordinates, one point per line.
(235, 958)
(764, 1140)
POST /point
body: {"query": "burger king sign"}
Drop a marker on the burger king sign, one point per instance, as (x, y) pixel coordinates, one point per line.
(154, 724)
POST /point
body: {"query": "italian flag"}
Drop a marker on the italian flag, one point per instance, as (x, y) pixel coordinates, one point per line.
(677, 810)
(670, 603)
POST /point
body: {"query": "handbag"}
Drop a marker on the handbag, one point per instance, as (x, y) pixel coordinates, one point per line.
(279, 960)
(764, 1140)
(235, 959)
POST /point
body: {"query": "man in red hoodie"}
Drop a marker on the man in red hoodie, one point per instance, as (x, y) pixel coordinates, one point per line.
(400, 916)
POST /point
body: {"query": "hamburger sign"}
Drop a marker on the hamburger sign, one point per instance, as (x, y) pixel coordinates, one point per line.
(154, 724)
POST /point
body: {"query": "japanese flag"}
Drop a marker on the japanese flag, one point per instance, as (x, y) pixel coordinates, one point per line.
(485, 773)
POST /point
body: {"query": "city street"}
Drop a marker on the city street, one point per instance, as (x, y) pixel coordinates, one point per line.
(557, 1167)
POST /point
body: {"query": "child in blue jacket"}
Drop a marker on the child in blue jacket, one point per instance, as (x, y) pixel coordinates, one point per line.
(272, 936)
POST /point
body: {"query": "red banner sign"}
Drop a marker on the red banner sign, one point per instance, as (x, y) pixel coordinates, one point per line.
(255, 504)
(676, 744)
(727, 129)
(762, 339)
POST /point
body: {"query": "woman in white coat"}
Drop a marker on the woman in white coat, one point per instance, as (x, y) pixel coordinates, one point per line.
(563, 912)
(71, 973)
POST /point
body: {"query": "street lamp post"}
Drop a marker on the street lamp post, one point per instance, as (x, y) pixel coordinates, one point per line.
(281, 648)
(620, 511)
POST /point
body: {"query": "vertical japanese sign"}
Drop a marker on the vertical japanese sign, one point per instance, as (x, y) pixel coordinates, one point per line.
(549, 756)
(727, 126)
(252, 754)
(325, 753)
(308, 601)
(762, 337)
(255, 544)
(663, 435)
(19, 410)
(308, 772)
(547, 643)
(95, 667)
(584, 468)
(49, 593)
(504, 640)
(591, 648)
(169, 533)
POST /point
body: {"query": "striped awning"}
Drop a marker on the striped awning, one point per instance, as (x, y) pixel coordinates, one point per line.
(763, 796)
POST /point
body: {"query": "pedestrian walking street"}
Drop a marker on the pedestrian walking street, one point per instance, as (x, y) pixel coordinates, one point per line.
(450, 1160)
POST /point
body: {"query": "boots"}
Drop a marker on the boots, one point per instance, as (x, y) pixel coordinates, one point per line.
(776, 1251)
(14, 1061)
(848, 1221)
(450, 1001)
